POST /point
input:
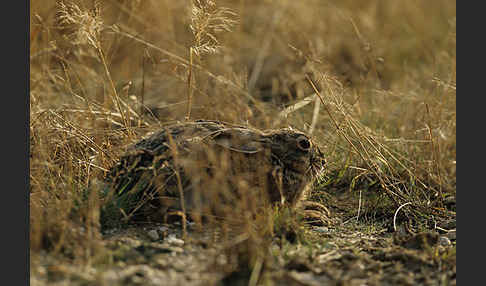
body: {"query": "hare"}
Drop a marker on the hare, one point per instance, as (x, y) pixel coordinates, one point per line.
(210, 165)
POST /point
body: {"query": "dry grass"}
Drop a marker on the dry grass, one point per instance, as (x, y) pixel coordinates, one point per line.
(105, 72)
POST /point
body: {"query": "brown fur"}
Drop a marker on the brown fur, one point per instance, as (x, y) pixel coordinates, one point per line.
(216, 163)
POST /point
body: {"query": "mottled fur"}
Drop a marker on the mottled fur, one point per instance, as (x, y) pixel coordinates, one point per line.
(217, 164)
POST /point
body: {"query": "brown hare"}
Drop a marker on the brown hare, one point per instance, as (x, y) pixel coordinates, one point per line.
(213, 165)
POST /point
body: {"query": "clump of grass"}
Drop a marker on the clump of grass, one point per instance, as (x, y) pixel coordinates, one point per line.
(64, 212)
(71, 149)
(80, 27)
(83, 27)
(379, 162)
(207, 20)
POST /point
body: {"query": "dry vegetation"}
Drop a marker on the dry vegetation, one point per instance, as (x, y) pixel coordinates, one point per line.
(373, 82)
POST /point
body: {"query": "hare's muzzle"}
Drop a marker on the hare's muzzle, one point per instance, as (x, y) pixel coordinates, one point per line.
(317, 161)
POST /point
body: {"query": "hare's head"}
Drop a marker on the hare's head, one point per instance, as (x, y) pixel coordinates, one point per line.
(297, 161)
(296, 151)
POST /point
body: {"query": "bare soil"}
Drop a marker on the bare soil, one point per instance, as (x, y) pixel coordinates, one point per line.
(348, 251)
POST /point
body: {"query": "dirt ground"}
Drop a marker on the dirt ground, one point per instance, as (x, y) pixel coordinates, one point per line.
(346, 252)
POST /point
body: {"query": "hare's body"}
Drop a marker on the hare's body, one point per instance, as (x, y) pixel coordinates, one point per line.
(213, 165)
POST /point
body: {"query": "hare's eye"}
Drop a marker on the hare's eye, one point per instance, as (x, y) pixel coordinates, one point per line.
(303, 143)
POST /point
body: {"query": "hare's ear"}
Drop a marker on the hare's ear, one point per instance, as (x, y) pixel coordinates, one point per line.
(237, 140)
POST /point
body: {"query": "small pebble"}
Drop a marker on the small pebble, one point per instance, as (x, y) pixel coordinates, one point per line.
(153, 234)
(321, 229)
(451, 235)
(444, 241)
(172, 239)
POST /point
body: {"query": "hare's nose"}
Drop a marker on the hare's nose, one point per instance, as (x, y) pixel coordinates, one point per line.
(320, 161)
(320, 156)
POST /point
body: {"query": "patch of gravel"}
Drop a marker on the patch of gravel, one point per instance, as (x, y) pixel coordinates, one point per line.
(335, 255)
